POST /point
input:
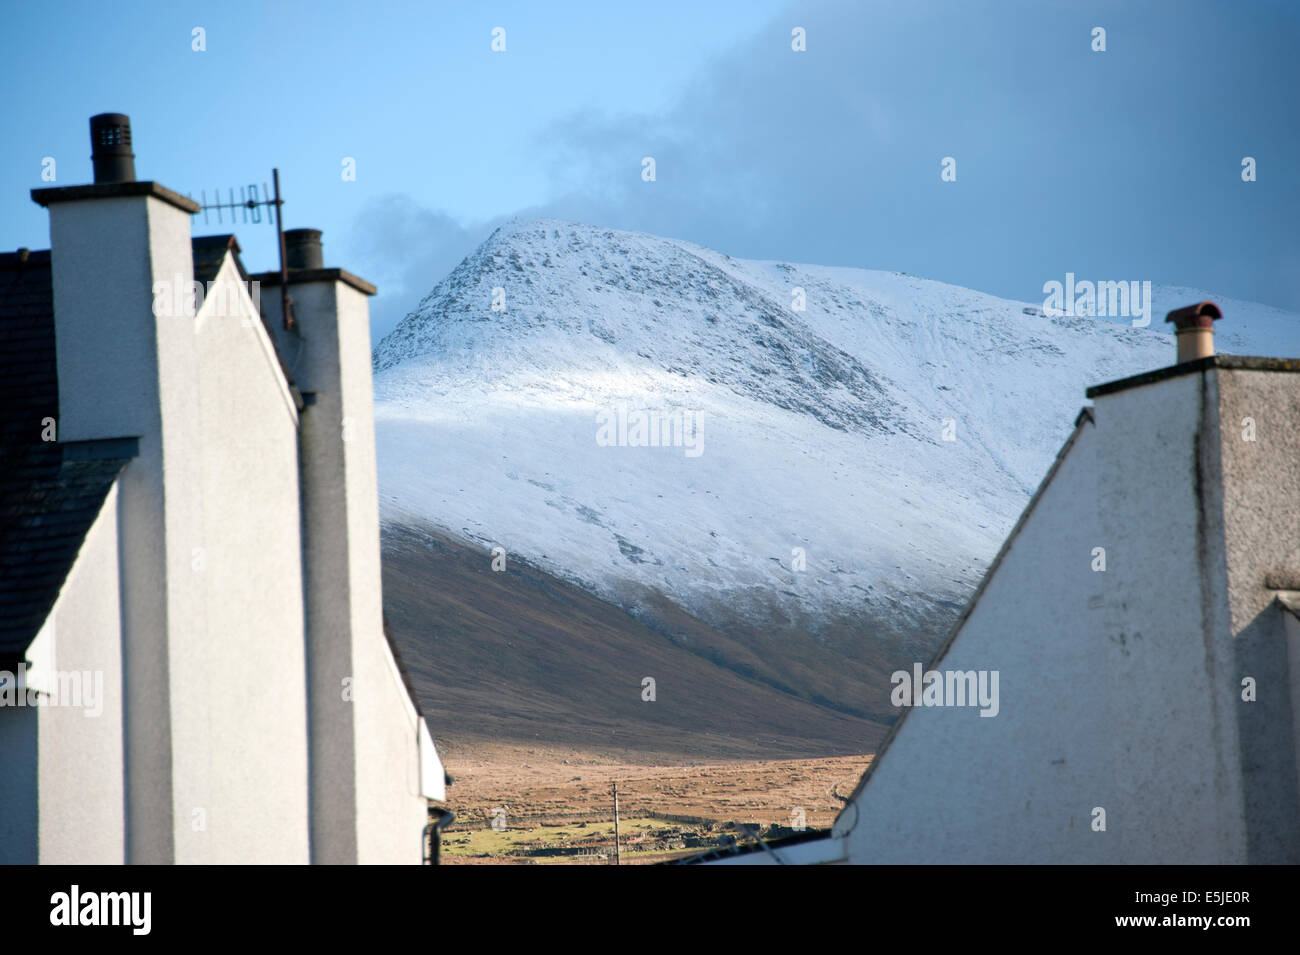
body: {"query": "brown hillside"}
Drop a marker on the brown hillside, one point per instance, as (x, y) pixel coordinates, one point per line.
(523, 656)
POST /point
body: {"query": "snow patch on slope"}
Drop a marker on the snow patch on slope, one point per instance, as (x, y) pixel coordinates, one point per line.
(823, 430)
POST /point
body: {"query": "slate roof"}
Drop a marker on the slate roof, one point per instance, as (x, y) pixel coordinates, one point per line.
(50, 493)
(209, 252)
(47, 505)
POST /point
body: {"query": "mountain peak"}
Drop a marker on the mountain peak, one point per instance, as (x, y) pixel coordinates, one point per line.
(882, 429)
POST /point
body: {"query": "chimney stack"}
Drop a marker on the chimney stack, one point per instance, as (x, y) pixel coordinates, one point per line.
(1194, 330)
(125, 371)
(302, 249)
(340, 542)
(110, 148)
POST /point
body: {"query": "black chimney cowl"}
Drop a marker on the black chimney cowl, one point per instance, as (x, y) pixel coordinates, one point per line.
(110, 148)
(302, 249)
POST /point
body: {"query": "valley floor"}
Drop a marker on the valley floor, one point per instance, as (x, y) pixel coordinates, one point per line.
(555, 804)
(534, 691)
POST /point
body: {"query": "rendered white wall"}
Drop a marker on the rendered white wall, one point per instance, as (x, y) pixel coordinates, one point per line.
(433, 775)
(214, 662)
(1121, 689)
(220, 765)
(955, 787)
(391, 809)
(367, 805)
(124, 372)
(1261, 507)
(1177, 794)
(240, 694)
(82, 790)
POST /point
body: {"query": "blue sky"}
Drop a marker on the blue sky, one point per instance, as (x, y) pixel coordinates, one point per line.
(1117, 165)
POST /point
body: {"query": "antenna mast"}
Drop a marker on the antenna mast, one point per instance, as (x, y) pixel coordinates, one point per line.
(250, 207)
(286, 304)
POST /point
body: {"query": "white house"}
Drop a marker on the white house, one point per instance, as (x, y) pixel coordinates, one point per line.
(193, 662)
(1143, 623)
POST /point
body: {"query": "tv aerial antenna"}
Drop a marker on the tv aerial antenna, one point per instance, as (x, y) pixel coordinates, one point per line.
(251, 208)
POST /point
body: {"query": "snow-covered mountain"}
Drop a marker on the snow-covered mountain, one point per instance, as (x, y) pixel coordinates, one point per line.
(850, 467)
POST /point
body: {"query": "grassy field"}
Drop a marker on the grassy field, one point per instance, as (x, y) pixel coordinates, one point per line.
(581, 843)
(555, 806)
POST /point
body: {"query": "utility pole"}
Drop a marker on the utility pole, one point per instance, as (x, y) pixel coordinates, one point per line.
(616, 852)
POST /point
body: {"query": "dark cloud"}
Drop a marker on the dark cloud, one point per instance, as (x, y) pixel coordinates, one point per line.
(1115, 165)
(405, 249)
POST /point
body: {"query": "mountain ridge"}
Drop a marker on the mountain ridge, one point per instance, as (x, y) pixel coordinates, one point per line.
(863, 457)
